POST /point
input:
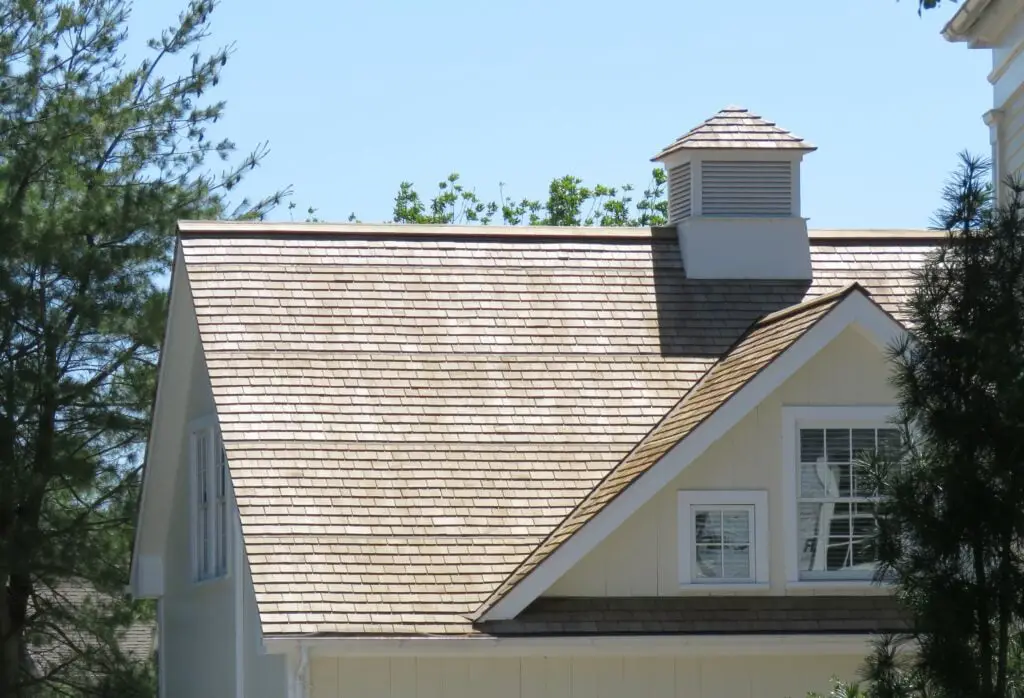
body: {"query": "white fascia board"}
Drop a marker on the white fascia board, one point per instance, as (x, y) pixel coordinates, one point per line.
(156, 416)
(855, 310)
(639, 645)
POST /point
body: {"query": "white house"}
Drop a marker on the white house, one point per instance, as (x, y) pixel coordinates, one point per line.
(999, 25)
(399, 461)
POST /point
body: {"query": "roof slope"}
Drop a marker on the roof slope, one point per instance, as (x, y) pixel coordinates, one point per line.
(407, 417)
(765, 341)
(736, 127)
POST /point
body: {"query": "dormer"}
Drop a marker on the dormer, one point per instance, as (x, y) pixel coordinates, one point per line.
(734, 197)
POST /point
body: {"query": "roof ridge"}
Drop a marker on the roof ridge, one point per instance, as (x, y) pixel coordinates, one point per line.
(771, 318)
(199, 228)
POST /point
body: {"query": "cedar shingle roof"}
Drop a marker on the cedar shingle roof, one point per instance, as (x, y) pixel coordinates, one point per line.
(736, 127)
(766, 340)
(409, 412)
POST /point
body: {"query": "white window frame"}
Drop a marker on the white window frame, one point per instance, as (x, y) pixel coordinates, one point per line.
(215, 562)
(795, 418)
(714, 499)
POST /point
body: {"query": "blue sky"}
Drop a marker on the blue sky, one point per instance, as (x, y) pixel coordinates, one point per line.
(355, 96)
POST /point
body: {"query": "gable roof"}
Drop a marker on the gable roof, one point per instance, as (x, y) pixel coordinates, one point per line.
(765, 342)
(736, 127)
(410, 411)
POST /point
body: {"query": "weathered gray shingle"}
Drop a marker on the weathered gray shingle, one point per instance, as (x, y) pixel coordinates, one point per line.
(736, 127)
(408, 412)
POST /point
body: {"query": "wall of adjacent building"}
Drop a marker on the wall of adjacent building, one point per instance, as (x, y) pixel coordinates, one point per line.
(577, 677)
(1007, 78)
(641, 558)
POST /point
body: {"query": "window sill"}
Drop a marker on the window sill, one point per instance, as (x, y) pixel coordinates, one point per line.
(744, 588)
(864, 587)
(210, 581)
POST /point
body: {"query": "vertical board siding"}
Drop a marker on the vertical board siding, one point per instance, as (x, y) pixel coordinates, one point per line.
(679, 192)
(577, 677)
(746, 188)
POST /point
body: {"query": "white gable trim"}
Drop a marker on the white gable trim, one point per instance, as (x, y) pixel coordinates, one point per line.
(166, 429)
(855, 310)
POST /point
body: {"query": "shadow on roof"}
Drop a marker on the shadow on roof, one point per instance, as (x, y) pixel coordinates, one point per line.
(699, 317)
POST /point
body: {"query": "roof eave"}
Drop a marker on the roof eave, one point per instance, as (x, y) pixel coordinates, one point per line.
(958, 28)
(804, 148)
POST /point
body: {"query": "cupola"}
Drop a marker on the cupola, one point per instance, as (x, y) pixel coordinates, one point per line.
(734, 197)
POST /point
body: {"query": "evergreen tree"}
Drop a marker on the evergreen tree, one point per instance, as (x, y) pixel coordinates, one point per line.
(98, 160)
(951, 520)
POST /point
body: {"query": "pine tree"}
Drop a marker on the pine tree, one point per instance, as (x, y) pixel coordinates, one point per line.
(951, 521)
(97, 162)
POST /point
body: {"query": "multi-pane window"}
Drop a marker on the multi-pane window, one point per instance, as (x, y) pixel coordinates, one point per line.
(723, 545)
(835, 501)
(211, 504)
(723, 537)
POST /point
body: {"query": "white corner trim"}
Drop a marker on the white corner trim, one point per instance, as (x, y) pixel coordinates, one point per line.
(819, 416)
(298, 668)
(148, 582)
(239, 589)
(854, 310)
(161, 650)
(596, 645)
(758, 499)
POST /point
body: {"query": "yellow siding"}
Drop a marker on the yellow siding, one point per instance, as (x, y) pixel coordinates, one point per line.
(199, 633)
(641, 558)
(577, 677)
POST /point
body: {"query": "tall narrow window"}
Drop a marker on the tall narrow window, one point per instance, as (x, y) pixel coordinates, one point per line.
(211, 512)
(222, 511)
(202, 457)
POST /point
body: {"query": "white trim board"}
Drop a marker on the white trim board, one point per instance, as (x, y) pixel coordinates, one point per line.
(163, 447)
(855, 310)
(639, 645)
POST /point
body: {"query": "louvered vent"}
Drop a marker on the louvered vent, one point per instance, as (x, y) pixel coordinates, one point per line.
(679, 192)
(735, 188)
